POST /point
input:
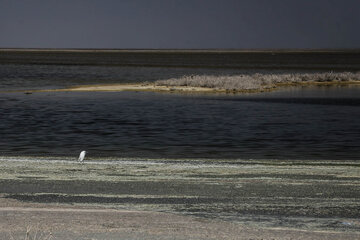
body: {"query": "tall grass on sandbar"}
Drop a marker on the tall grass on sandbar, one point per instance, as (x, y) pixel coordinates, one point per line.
(257, 81)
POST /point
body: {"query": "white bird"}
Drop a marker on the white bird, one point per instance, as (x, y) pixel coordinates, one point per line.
(82, 156)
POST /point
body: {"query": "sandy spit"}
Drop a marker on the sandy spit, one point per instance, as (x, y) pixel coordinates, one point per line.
(146, 87)
(130, 87)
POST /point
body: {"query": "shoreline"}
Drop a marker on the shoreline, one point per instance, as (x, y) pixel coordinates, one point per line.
(79, 223)
(313, 197)
(165, 50)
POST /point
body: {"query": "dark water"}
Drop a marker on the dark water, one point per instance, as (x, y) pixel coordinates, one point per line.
(320, 123)
(299, 123)
(344, 60)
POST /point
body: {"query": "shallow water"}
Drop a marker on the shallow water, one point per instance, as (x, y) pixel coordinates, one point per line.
(297, 123)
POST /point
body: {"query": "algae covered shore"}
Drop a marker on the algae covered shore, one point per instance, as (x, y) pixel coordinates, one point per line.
(306, 195)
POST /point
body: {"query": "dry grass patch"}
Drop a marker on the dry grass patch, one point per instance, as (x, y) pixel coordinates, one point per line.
(258, 81)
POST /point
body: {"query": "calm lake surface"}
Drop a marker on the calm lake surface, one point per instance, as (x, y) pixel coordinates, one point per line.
(294, 123)
(299, 124)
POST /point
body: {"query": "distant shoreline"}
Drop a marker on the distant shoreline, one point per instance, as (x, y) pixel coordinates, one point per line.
(220, 59)
(265, 50)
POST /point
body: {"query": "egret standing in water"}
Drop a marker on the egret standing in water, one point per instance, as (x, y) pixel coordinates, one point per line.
(82, 156)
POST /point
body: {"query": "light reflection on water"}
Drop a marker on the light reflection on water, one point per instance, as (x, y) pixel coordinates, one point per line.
(313, 123)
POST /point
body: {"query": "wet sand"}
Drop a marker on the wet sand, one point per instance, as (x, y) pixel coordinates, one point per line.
(80, 223)
(213, 199)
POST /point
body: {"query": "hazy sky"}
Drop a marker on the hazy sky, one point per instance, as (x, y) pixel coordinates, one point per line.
(180, 23)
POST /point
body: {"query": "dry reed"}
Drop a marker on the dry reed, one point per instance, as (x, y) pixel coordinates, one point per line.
(257, 81)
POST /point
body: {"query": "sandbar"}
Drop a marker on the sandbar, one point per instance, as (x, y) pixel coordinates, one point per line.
(150, 87)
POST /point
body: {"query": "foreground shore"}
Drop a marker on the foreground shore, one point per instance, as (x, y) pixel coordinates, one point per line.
(95, 223)
(181, 199)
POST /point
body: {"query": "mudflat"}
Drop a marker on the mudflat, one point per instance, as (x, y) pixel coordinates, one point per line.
(180, 199)
(84, 223)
